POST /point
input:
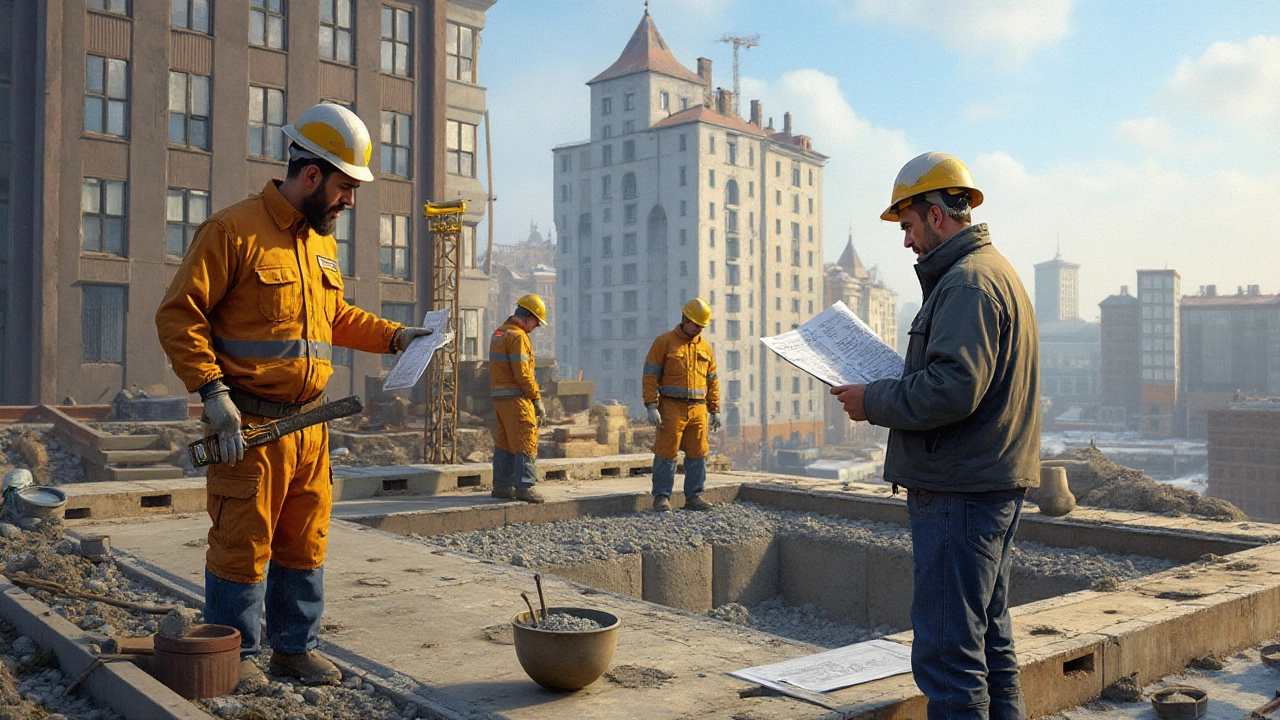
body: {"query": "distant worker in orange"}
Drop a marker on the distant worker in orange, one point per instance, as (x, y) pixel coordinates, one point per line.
(682, 395)
(517, 402)
(249, 322)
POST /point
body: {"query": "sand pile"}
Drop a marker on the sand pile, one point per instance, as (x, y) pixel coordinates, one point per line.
(1098, 482)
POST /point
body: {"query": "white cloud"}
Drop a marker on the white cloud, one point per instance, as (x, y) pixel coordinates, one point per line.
(1236, 82)
(1008, 28)
(1151, 133)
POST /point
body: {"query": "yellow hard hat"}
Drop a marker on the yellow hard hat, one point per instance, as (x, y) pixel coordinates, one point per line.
(337, 135)
(930, 171)
(699, 311)
(534, 304)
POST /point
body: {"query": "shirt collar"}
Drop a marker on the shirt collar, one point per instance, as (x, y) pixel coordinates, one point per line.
(282, 211)
(934, 264)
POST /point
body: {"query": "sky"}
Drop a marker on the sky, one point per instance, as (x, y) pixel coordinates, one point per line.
(1131, 135)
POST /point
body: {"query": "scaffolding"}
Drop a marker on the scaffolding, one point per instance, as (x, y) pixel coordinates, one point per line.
(440, 433)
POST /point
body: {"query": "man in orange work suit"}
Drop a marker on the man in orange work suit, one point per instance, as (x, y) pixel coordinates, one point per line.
(250, 321)
(682, 396)
(517, 402)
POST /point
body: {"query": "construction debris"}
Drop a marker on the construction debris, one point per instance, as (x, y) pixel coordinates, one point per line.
(1098, 482)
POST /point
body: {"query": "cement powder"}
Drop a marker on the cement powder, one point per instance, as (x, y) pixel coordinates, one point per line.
(564, 622)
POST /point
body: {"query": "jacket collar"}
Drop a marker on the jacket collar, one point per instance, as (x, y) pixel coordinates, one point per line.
(282, 211)
(685, 337)
(933, 265)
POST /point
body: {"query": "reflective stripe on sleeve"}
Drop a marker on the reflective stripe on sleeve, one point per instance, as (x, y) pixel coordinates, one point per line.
(506, 393)
(504, 357)
(679, 392)
(652, 369)
(713, 376)
(276, 349)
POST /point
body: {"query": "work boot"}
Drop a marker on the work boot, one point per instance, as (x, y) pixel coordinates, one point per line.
(505, 493)
(696, 503)
(308, 667)
(251, 678)
(662, 503)
(529, 495)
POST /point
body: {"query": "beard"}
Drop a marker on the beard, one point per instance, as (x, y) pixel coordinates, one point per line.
(318, 213)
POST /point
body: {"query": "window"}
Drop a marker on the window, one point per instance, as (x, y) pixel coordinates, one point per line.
(342, 236)
(460, 52)
(684, 268)
(395, 41)
(795, 283)
(629, 101)
(266, 23)
(810, 176)
(795, 253)
(629, 186)
(751, 188)
(394, 239)
(606, 246)
(608, 302)
(751, 155)
(733, 276)
(102, 314)
(731, 193)
(188, 14)
(795, 176)
(630, 303)
(630, 276)
(684, 144)
(711, 177)
(795, 305)
(731, 148)
(335, 30)
(683, 176)
(711, 144)
(713, 268)
(606, 187)
(711, 211)
(397, 143)
(629, 214)
(119, 7)
(606, 215)
(106, 95)
(684, 105)
(606, 132)
(629, 127)
(565, 192)
(606, 105)
(102, 224)
(810, 233)
(777, 168)
(664, 100)
(777, 197)
(266, 117)
(684, 210)
(629, 151)
(189, 109)
(810, 206)
(606, 155)
(732, 330)
(733, 360)
(795, 233)
(629, 244)
(396, 312)
(184, 211)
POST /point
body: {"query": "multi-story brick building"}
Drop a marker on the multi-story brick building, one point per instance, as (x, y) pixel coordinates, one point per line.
(1121, 357)
(674, 197)
(1159, 292)
(125, 123)
(1244, 457)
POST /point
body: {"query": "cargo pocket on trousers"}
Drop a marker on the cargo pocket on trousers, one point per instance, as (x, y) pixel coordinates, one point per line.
(231, 491)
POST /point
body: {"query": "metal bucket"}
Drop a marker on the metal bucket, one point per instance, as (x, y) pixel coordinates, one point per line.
(204, 664)
(566, 660)
(42, 502)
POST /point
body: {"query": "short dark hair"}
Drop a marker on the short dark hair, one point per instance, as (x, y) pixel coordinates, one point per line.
(301, 162)
(522, 313)
(955, 206)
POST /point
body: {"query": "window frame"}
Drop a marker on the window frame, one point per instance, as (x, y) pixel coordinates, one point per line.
(269, 129)
(106, 94)
(343, 236)
(189, 7)
(337, 30)
(274, 14)
(102, 213)
(105, 7)
(185, 224)
(94, 324)
(454, 32)
(188, 112)
(395, 144)
(398, 247)
(392, 60)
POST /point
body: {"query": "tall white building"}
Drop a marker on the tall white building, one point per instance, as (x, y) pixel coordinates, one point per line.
(674, 197)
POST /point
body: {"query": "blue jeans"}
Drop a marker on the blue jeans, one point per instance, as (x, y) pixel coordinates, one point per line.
(294, 602)
(664, 476)
(962, 655)
(504, 469)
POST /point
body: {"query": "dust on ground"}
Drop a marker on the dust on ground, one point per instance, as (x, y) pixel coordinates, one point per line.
(1098, 482)
(638, 676)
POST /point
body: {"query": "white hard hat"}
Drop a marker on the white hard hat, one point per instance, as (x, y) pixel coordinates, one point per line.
(337, 135)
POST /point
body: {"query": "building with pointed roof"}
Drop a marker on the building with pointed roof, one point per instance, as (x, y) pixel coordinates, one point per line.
(675, 197)
(1057, 290)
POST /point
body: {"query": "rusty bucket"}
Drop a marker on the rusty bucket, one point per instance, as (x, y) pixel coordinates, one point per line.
(568, 659)
(203, 664)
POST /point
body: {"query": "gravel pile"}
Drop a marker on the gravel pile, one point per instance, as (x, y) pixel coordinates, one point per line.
(564, 622)
(31, 686)
(580, 540)
(806, 624)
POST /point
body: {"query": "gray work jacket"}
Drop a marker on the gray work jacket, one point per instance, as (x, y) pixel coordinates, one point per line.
(965, 416)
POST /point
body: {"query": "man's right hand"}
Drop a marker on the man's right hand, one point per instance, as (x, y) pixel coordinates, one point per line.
(224, 418)
(655, 418)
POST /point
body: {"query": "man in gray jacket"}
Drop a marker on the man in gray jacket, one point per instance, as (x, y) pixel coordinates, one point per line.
(964, 440)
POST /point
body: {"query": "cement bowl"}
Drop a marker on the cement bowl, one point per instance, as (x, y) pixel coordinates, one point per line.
(566, 660)
(41, 501)
(1192, 702)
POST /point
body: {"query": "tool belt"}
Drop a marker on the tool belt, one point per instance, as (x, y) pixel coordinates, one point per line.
(252, 404)
(691, 401)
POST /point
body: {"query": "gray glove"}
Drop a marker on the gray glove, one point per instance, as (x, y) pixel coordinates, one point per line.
(406, 335)
(655, 417)
(713, 422)
(540, 412)
(224, 418)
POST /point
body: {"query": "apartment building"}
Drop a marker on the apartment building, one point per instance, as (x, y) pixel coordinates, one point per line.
(1159, 292)
(125, 123)
(1057, 290)
(1244, 457)
(674, 197)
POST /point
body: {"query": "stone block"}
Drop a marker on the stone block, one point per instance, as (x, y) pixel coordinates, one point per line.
(744, 572)
(623, 575)
(827, 572)
(566, 433)
(679, 578)
(890, 577)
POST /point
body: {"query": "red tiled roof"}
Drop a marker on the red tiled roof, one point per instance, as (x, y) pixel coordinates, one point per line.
(702, 113)
(646, 52)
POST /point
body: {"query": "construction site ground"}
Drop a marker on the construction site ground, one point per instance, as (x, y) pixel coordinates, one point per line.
(431, 621)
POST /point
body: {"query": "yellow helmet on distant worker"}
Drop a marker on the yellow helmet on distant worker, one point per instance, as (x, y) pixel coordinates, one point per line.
(699, 311)
(928, 172)
(534, 304)
(337, 135)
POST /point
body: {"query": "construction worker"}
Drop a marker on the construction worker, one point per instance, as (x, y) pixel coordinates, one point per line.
(682, 396)
(249, 322)
(964, 439)
(517, 402)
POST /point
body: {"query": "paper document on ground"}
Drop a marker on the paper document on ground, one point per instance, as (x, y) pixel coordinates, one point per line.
(836, 347)
(840, 668)
(414, 360)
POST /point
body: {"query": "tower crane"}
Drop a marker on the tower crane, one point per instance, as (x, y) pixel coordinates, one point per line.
(738, 41)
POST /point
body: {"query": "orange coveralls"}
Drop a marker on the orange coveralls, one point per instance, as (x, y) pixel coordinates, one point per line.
(514, 390)
(258, 303)
(680, 375)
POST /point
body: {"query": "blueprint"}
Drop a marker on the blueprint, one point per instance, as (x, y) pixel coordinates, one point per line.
(836, 347)
(414, 360)
(840, 668)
